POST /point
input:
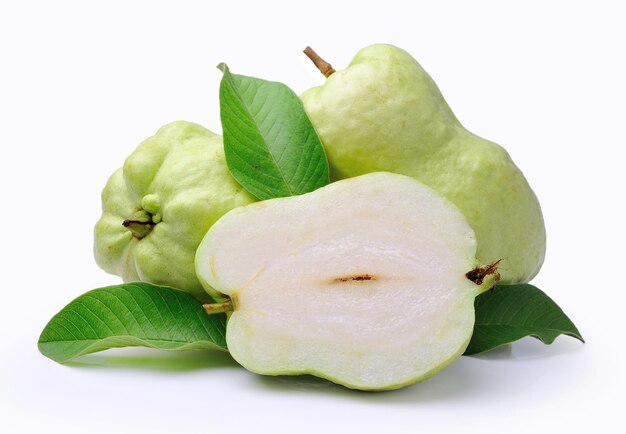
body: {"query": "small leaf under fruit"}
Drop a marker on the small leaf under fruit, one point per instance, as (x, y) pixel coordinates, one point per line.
(131, 314)
(510, 312)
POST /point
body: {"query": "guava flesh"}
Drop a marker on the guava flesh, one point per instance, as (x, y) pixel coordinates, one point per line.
(361, 282)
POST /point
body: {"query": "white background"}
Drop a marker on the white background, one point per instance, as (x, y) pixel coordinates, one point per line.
(82, 84)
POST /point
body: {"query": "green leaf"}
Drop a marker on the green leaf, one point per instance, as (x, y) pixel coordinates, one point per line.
(271, 147)
(131, 314)
(511, 312)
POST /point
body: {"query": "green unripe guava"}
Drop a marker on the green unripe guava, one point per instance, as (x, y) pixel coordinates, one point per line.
(157, 208)
(385, 113)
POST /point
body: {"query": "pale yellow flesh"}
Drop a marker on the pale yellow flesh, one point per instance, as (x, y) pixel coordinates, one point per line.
(361, 282)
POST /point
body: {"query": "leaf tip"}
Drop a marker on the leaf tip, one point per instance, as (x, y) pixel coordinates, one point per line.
(577, 336)
(222, 67)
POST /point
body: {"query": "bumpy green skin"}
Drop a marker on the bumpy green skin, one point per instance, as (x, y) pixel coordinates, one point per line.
(385, 113)
(178, 176)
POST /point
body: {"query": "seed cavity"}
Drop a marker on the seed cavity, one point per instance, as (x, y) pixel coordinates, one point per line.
(355, 278)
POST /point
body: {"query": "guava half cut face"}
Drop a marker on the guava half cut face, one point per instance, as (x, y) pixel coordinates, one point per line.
(362, 282)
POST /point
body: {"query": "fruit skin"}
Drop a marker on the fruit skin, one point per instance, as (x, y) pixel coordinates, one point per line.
(177, 180)
(298, 308)
(385, 113)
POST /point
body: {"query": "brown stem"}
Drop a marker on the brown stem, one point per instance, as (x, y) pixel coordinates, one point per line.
(139, 229)
(324, 67)
(478, 274)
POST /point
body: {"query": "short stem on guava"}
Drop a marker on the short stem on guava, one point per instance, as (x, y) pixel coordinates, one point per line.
(213, 308)
(139, 223)
(139, 229)
(324, 67)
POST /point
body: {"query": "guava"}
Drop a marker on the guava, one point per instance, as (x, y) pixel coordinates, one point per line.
(157, 208)
(368, 282)
(385, 113)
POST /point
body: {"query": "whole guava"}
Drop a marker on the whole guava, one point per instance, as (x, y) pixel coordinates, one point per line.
(385, 113)
(157, 208)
